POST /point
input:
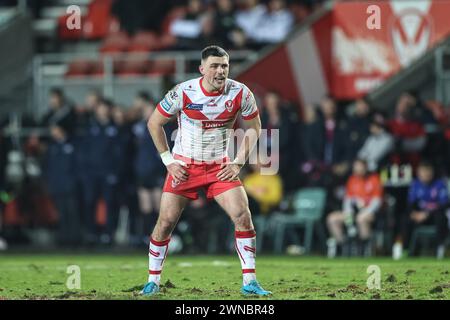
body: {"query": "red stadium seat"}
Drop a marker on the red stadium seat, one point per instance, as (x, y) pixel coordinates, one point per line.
(135, 64)
(167, 41)
(114, 43)
(97, 21)
(79, 68)
(162, 67)
(144, 41)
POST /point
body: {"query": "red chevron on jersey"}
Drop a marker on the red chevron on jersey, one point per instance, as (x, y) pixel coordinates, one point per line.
(204, 118)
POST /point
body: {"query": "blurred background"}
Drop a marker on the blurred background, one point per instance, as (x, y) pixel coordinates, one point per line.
(343, 81)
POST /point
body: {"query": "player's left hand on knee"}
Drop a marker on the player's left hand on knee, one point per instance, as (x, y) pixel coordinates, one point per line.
(229, 172)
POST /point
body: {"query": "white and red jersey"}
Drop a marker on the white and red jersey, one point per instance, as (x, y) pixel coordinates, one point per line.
(204, 118)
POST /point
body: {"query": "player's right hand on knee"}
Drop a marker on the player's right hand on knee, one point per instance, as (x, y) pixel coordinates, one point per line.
(176, 170)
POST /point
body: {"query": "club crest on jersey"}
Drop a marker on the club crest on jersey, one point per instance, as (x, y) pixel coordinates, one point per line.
(195, 106)
(229, 105)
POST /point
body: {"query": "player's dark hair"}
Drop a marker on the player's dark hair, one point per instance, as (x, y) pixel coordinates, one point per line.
(214, 51)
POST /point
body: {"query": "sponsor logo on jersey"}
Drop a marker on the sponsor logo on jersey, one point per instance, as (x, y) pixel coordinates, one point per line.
(229, 105)
(195, 106)
(213, 124)
(212, 103)
(248, 96)
(165, 104)
(173, 95)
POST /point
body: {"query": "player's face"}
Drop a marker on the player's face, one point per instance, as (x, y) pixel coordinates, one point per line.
(215, 71)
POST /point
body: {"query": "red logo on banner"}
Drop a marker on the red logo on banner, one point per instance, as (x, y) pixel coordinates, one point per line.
(411, 32)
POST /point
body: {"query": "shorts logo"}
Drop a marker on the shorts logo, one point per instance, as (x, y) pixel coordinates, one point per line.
(165, 104)
(174, 184)
(194, 106)
(229, 105)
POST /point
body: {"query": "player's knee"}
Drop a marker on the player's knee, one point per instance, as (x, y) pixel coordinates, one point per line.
(165, 223)
(242, 217)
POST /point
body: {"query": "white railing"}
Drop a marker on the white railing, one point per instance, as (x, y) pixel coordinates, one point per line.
(50, 70)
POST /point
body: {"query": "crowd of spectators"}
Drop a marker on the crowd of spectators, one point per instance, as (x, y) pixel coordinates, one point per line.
(99, 158)
(233, 24)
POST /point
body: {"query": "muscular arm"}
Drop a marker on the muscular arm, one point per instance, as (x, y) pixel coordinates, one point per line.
(155, 127)
(230, 171)
(252, 133)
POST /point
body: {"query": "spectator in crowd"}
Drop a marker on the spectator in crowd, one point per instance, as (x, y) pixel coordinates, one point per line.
(86, 113)
(149, 171)
(126, 186)
(363, 198)
(358, 126)
(226, 30)
(61, 112)
(248, 18)
(101, 152)
(335, 147)
(265, 24)
(326, 161)
(276, 115)
(188, 28)
(140, 15)
(408, 132)
(378, 145)
(275, 24)
(60, 173)
(310, 135)
(427, 205)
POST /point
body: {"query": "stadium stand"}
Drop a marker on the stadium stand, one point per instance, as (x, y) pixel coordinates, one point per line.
(308, 71)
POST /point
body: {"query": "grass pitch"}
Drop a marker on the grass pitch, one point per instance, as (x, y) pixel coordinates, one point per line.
(218, 277)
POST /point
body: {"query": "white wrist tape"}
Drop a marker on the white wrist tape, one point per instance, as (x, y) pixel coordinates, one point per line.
(238, 162)
(167, 158)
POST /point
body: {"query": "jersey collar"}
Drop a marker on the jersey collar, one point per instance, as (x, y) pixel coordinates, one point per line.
(210, 94)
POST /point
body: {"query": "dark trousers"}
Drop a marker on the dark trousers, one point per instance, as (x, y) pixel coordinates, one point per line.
(69, 218)
(436, 218)
(94, 188)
